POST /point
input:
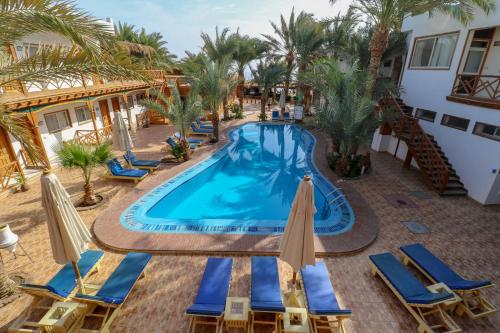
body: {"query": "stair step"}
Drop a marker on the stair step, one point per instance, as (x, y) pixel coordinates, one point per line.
(454, 192)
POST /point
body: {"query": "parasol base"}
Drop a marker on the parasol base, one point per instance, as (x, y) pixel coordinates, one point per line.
(294, 299)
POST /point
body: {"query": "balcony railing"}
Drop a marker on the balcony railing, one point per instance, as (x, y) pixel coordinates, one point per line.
(93, 137)
(8, 173)
(486, 87)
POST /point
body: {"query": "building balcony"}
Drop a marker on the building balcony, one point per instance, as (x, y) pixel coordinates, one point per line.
(479, 90)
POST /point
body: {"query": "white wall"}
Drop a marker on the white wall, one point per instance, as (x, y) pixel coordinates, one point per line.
(476, 159)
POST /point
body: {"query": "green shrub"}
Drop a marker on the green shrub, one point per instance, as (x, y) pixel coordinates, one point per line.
(178, 152)
(236, 111)
(351, 166)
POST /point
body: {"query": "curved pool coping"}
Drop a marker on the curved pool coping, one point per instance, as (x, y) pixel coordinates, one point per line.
(111, 234)
(135, 216)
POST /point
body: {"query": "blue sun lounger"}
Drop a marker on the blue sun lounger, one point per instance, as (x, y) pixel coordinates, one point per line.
(114, 292)
(275, 116)
(172, 143)
(132, 161)
(418, 300)
(200, 130)
(210, 302)
(116, 171)
(63, 285)
(265, 294)
(322, 305)
(204, 124)
(473, 304)
(60, 288)
(189, 140)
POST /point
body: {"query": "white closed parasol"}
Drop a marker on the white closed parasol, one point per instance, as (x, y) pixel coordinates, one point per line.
(121, 137)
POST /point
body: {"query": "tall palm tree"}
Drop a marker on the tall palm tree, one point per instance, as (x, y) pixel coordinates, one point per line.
(266, 74)
(283, 46)
(215, 81)
(339, 32)
(220, 49)
(388, 15)
(308, 38)
(245, 50)
(181, 111)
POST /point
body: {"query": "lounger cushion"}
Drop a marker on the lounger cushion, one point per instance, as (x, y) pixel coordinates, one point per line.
(118, 285)
(146, 163)
(200, 130)
(286, 115)
(438, 270)
(190, 140)
(214, 287)
(321, 298)
(132, 173)
(64, 282)
(266, 291)
(407, 285)
(275, 114)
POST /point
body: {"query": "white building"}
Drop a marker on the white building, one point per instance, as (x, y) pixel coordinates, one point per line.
(451, 81)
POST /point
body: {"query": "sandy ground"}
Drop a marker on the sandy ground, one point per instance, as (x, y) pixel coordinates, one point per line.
(463, 233)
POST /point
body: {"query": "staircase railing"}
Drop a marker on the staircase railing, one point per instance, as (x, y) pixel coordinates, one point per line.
(93, 137)
(435, 169)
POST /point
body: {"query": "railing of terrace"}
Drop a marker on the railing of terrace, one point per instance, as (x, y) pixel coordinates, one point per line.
(93, 137)
(479, 86)
(8, 172)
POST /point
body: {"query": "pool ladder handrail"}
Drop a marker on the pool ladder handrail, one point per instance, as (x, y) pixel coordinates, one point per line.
(339, 196)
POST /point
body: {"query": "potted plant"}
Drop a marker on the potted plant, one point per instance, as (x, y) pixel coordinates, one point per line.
(22, 182)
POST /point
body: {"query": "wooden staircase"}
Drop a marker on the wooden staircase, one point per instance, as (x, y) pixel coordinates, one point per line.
(433, 163)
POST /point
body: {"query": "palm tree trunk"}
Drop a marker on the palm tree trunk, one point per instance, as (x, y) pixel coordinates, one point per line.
(378, 44)
(289, 67)
(88, 194)
(241, 77)
(263, 100)
(225, 108)
(215, 123)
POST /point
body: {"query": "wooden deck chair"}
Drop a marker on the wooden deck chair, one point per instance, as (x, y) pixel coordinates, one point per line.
(210, 302)
(200, 131)
(106, 303)
(322, 306)
(61, 288)
(473, 304)
(425, 306)
(266, 305)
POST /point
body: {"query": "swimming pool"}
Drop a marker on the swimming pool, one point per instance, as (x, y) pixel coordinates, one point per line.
(247, 187)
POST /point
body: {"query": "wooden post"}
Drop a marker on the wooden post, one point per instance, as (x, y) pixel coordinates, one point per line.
(408, 159)
(90, 106)
(127, 109)
(33, 119)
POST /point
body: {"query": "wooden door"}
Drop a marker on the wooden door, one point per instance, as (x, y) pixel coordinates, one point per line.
(106, 118)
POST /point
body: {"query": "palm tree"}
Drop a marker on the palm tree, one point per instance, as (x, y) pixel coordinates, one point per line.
(92, 53)
(309, 38)
(283, 47)
(347, 115)
(182, 112)
(266, 74)
(388, 15)
(84, 157)
(215, 81)
(245, 50)
(339, 32)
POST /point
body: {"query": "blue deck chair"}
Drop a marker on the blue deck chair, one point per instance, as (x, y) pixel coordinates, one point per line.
(473, 304)
(201, 131)
(63, 285)
(132, 161)
(423, 304)
(210, 302)
(60, 288)
(117, 171)
(265, 294)
(114, 292)
(275, 116)
(204, 124)
(189, 140)
(322, 305)
(286, 116)
(172, 143)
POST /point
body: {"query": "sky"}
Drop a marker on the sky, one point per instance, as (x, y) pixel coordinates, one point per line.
(181, 21)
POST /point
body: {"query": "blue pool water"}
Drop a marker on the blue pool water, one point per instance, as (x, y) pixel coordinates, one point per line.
(246, 187)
